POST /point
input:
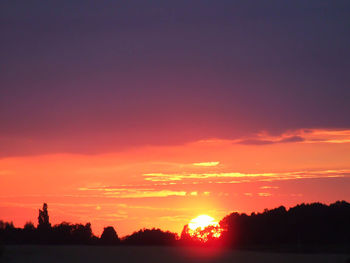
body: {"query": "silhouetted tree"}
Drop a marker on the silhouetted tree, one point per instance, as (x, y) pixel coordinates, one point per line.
(302, 227)
(151, 237)
(185, 236)
(29, 226)
(206, 236)
(44, 231)
(43, 218)
(8, 233)
(109, 236)
(66, 233)
(29, 234)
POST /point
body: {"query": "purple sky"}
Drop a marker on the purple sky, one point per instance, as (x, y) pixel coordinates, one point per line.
(91, 77)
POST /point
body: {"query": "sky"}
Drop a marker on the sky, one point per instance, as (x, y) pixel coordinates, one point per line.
(148, 113)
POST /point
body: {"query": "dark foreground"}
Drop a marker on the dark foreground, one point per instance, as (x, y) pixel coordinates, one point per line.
(86, 254)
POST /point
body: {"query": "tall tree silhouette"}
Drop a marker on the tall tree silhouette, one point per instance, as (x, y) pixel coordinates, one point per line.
(43, 218)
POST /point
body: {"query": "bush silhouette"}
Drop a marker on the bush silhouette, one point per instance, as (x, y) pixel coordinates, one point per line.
(151, 237)
(109, 236)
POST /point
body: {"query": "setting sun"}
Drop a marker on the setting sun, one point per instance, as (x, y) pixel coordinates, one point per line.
(203, 228)
(201, 222)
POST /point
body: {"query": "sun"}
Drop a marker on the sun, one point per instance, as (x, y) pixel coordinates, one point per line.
(201, 222)
(203, 228)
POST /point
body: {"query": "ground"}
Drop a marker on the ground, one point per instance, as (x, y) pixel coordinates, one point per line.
(87, 254)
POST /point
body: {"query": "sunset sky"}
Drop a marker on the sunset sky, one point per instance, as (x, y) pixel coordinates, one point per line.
(149, 113)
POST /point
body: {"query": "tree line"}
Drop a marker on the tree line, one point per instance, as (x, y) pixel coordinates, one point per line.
(301, 226)
(69, 234)
(305, 226)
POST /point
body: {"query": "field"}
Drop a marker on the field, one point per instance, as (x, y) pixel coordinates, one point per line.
(87, 254)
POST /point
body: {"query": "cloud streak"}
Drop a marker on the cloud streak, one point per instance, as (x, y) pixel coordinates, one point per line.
(265, 142)
(164, 177)
(207, 164)
(298, 136)
(133, 193)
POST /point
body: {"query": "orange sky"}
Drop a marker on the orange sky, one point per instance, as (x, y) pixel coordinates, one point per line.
(166, 186)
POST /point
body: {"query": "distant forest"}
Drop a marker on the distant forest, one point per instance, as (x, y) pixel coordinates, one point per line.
(302, 226)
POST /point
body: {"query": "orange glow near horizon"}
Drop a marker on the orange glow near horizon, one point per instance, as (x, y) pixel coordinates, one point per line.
(165, 186)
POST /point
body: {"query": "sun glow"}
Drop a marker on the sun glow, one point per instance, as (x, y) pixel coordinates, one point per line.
(201, 222)
(204, 228)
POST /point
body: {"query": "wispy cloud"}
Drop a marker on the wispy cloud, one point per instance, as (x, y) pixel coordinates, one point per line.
(264, 194)
(265, 141)
(133, 193)
(269, 187)
(183, 176)
(206, 164)
(156, 177)
(298, 136)
(327, 136)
